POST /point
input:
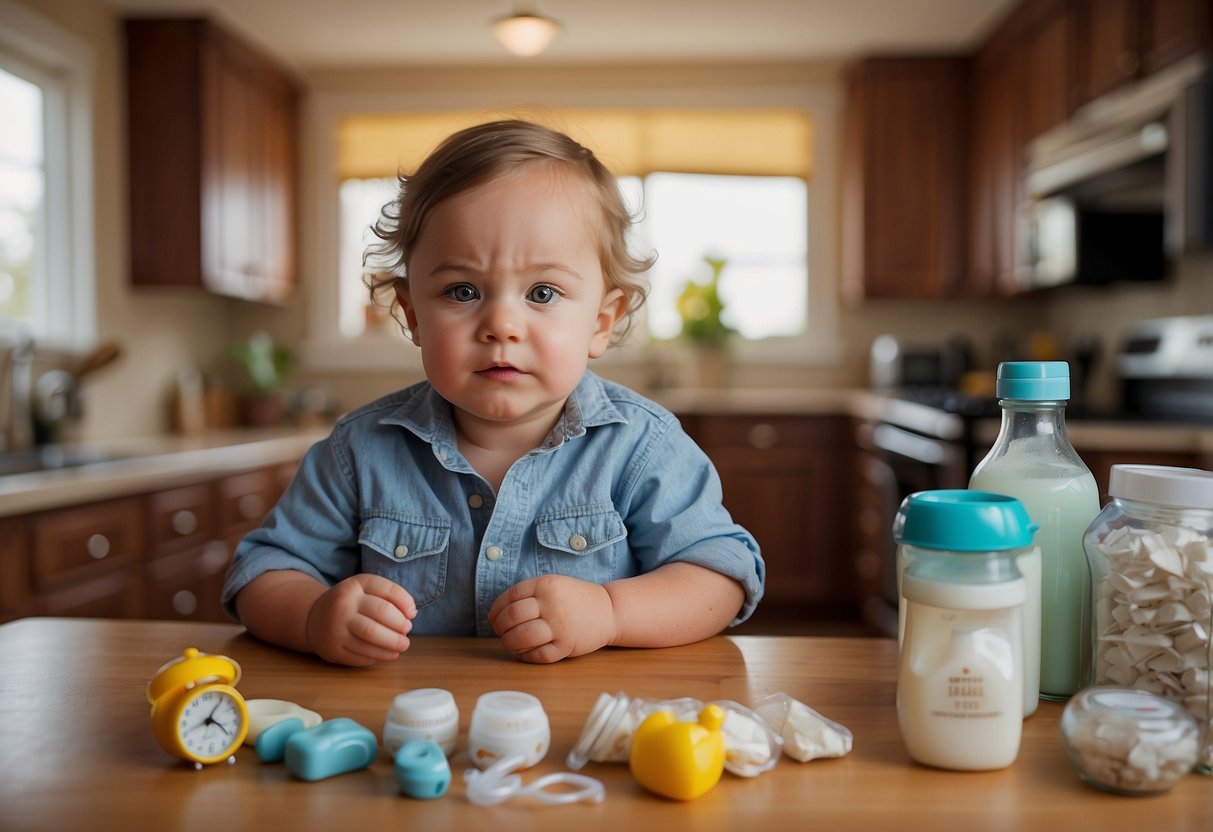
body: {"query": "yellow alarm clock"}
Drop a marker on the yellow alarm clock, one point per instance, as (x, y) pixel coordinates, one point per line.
(197, 714)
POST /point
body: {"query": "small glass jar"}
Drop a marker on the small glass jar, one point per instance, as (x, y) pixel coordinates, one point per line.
(1151, 558)
(1128, 741)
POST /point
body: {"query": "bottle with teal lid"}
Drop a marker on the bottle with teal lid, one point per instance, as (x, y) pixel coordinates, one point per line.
(959, 685)
(1032, 460)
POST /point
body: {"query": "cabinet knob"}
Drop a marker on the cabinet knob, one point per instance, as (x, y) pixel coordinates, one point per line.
(250, 507)
(184, 522)
(214, 558)
(1127, 63)
(763, 436)
(184, 602)
(98, 546)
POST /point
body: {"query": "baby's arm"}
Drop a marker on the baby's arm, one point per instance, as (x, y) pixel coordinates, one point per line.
(551, 617)
(359, 621)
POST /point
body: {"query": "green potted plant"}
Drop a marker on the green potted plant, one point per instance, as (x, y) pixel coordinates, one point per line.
(267, 366)
(701, 309)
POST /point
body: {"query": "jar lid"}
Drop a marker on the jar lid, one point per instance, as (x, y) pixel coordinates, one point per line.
(961, 520)
(423, 708)
(509, 712)
(1033, 380)
(1162, 485)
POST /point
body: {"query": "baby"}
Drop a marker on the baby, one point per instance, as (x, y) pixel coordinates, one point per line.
(513, 493)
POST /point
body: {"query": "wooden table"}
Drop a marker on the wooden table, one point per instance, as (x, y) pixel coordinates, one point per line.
(76, 749)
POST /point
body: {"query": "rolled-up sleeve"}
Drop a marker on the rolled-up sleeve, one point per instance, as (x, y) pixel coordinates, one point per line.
(675, 514)
(313, 529)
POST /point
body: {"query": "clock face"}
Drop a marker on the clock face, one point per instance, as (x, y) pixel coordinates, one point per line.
(210, 725)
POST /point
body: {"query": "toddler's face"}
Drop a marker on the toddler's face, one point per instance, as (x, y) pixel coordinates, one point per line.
(506, 296)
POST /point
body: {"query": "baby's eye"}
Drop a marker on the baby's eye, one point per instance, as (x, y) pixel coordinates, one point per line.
(461, 293)
(541, 294)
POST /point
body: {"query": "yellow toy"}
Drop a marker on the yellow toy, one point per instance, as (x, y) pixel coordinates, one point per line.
(679, 760)
(196, 713)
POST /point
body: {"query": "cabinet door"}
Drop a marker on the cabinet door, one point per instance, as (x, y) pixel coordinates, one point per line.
(16, 588)
(188, 585)
(277, 192)
(995, 184)
(1174, 29)
(785, 481)
(1048, 91)
(86, 558)
(903, 193)
(1110, 41)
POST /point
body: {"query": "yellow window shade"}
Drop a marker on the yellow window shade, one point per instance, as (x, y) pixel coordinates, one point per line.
(766, 142)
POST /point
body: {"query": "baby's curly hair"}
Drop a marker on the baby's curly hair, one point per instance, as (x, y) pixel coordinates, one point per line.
(483, 153)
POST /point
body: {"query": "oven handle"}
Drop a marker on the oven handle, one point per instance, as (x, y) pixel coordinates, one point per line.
(902, 443)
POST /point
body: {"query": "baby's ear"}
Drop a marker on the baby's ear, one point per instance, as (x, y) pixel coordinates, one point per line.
(406, 306)
(614, 305)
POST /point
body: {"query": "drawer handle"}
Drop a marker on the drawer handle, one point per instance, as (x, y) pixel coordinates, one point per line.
(184, 522)
(250, 507)
(764, 436)
(184, 602)
(214, 558)
(98, 546)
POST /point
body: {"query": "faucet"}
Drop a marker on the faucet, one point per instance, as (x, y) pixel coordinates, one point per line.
(18, 434)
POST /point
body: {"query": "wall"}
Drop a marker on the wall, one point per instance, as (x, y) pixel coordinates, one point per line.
(158, 332)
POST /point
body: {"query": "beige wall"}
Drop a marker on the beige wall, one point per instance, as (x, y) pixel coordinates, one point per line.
(161, 332)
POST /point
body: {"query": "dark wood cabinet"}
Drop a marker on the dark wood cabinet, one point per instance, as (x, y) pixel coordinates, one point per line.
(162, 555)
(213, 162)
(787, 480)
(1049, 65)
(903, 199)
(1122, 40)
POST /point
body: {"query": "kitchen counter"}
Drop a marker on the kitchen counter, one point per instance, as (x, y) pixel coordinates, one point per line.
(79, 753)
(152, 463)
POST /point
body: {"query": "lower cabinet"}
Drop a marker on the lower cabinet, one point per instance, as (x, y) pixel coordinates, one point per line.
(161, 555)
(786, 478)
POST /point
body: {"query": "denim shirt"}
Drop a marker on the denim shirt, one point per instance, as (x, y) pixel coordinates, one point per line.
(616, 489)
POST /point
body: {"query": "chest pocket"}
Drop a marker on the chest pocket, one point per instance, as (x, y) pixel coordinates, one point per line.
(411, 552)
(582, 543)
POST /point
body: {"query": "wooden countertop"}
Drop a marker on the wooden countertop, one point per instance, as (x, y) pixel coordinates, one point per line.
(78, 753)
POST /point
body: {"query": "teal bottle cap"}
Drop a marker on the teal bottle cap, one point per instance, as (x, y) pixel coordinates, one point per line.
(960, 520)
(1033, 380)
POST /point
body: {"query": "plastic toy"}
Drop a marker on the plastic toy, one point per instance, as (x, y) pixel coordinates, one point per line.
(499, 782)
(422, 770)
(337, 746)
(197, 714)
(271, 743)
(679, 760)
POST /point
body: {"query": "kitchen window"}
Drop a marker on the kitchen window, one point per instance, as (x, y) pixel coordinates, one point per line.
(46, 250)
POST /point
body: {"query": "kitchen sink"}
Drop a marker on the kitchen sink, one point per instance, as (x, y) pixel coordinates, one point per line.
(51, 458)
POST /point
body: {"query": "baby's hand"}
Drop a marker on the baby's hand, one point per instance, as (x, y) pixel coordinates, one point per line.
(362, 620)
(547, 618)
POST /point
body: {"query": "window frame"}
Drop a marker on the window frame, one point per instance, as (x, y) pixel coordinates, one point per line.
(65, 66)
(324, 348)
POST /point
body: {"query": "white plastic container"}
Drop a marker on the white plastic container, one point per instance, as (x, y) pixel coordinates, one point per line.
(422, 714)
(507, 723)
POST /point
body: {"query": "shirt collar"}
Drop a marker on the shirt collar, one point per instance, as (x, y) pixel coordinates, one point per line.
(428, 415)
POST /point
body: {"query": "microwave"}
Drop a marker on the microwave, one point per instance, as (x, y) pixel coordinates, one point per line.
(1125, 187)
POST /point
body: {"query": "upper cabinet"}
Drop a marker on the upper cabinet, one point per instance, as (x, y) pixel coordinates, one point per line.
(213, 162)
(903, 179)
(1120, 40)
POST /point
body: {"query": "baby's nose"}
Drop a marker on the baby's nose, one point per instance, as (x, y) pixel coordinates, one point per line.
(501, 322)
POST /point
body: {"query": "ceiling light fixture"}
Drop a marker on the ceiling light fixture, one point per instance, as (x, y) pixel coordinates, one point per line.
(525, 32)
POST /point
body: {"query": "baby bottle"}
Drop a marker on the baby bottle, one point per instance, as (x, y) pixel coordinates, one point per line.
(960, 685)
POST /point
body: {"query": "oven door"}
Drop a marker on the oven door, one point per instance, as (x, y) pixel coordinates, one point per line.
(894, 462)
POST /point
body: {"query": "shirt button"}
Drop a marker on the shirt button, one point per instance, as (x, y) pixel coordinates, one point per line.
(402, 550)
(493, 553)
(475, 501)
(577, 543)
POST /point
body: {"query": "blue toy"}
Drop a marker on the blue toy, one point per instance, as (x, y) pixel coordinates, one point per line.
(337, 746)
(271, 742)
(422, 769)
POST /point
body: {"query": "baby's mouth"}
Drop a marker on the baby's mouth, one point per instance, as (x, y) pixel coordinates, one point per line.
(500, 372)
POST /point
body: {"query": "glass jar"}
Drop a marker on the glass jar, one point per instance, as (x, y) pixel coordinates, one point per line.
(1151, 557)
